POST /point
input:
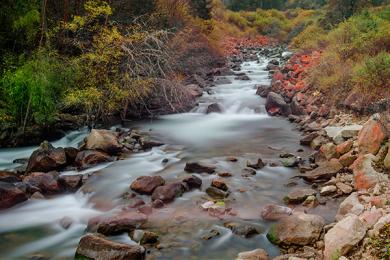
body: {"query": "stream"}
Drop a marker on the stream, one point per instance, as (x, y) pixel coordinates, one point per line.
(243, 130)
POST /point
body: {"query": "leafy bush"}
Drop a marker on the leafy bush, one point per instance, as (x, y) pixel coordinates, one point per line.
(32, 90)
(310, 38)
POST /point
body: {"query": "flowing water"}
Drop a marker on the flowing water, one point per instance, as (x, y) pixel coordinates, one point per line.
(243, 130)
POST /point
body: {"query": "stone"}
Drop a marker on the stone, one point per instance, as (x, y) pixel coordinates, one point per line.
(216, 193)
(296, 108)
(351, 205)
(257, 254)
(213, 108)
(225, 174)
(328, 190)
(168, 192)
(144, 237)
(263, 90)
(10, 177)
(299, 195)
(70, 183)
(157, 204)
(219, 184)
(344, 147)
(103, 140)
(311, 202)
(198, 167)
(147, 184)
(329, 151)
(148, 143)
(66, 222)
(348, 159)
(346, 189)
(275, 105)
(10, 195)
(324, 172)
(211, 234)
(88, 158)
(365, 175)
(46, 158)
(121, 223)
(37, 196)
(371, 136)
(370, 217)
(291, 161)
(297, 229)
(242, 229)
(71, 154)
(97, 247)
(232, 159)
(257, 166)
(343, 237)
(193, 182)
(386, 161)
(318, 142)
(275, 212)
(306, 140)
(46, 182)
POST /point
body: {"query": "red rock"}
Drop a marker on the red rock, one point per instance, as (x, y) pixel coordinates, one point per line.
(345, 147)
(46, 182)
(46, 158)
(364, 174)
(347, 159)
(10, 195)
(371, 136)
(123, 222)
(147, 184)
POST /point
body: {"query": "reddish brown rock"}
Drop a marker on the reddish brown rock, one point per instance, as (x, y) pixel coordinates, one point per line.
(10, 195)
(364, 173)
(220, 184)
(121, 223)
(371, 136)
(198, 167)
(147, 184)
(46, 158)
(169, 192)
(324, 172)
(347, 159)
(103, 140)
(344, 148)
(9, 177)
(193, 182)
(275, 212)
(46, 182)
(98, 247)
(71, 182)
(88, 158)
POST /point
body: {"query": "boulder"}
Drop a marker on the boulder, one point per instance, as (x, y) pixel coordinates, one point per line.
(213, 108)
(329, 151)
(371, 136)
(257, 254)
(46, 158)
(351, 205)
(324, 172)
(348, 159)
(275, 105)
(344, 147)
(71, 154)
(168, 192)
(297, 229)
(193, 182)
(371, 217)
(346, 189)
(343, 237)
(296, 108)
(386, 161)
(328, 190)
(219, 184)
(198, 167)
(242, 229)
(121, 223)
(147, 184)
(299, 195)
(103, 140)
(216, 193)
(364, 173)
(88, 158)
(97, 247)
(263, 90)
(9, 177)
(10, 195)
(148, 143)
(46, 182)
(381, 224)
(306, 140)
(144, 237)
(275, 212)
(71, 182)
(248, 172)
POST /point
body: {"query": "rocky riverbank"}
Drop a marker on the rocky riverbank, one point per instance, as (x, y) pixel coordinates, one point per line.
(352, 161)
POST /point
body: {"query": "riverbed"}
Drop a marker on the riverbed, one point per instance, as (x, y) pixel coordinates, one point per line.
(243, 129)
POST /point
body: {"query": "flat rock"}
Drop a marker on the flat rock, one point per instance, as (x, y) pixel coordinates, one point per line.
(275, 212)
(328, 190)
(198, 167)
(89, 158)
(297, 229)
(216, 193)
(168, 192)
(343, 237)
(97, 247)
(257, 254)
(147, 184)
(121, 223)
(364, 173)
(351, 205)
(324, 172)
(242, 229)
(299, 195)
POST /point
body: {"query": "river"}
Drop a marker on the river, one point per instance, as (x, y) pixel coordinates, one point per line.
(243, 130)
